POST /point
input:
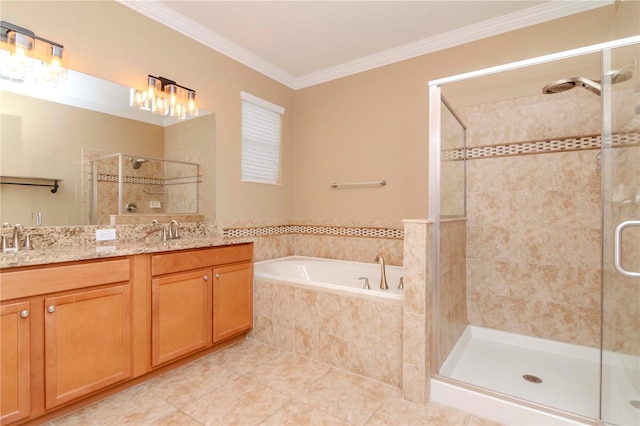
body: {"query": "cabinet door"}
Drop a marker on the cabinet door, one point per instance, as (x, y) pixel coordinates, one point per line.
(87, 342)
(232, 300)
(14, 362)
(180, 314)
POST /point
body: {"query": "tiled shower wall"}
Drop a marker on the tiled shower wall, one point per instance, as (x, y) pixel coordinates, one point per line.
(621, 302)
(174, 185)
(533, 230)
(453, 290)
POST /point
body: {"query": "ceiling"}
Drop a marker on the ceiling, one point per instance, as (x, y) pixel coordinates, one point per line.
(303, 43)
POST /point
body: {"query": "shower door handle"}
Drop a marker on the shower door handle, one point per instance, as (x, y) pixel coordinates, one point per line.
(617, 248)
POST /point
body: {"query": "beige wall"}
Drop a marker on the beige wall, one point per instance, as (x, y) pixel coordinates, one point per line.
(374, 125)
(110, 41)
(369, 126)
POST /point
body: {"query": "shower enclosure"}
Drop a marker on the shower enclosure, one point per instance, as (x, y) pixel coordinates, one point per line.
(118, 184)
(536, 204)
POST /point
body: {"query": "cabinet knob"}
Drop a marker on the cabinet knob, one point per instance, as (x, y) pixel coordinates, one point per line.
(51, 309)
(206, 278)
(24, 313)
(217, 276)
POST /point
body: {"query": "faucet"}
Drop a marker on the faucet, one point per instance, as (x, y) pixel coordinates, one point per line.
(5, 246)
(17, 230)
(383, 275)
(366, 283)
(173, 230)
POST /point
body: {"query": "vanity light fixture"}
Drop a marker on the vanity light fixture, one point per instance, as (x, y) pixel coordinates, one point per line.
(165, 97)
(24, 56)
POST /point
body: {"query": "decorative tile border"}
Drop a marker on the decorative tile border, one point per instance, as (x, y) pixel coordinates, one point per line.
(344, 231)
(149, 181)
(538, 147)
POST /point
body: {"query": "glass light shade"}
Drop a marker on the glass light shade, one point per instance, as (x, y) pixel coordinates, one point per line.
(151, 88)
(172, 91)
(21, 42)
(192, 109)
(27, 58)
(51, 65)
(164, 97)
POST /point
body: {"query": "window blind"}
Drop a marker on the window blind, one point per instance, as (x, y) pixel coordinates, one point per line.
(261, 135)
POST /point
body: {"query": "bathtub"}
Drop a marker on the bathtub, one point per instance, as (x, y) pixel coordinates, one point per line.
(332, 274)
(317, 308)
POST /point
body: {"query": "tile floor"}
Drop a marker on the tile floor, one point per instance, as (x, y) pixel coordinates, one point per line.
(251, 383)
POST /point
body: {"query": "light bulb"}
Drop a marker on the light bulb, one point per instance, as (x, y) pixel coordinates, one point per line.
(151, 88)
(192, 104)
(55, 63)
(172, 91)
(21, 44)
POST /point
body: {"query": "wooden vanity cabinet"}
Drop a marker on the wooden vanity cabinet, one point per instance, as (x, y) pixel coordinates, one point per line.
(71, 332)
(15, 368)
(181, 311)
(66, 333)
(199, 297)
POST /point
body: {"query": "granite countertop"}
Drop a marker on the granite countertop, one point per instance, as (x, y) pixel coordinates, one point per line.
(101, 251)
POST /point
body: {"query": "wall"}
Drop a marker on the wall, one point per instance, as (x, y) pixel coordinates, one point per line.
(357, 333)
(110, 41)
(452, 294)
(533, 235)
(359, 241)
(369, 126)
(373, 125)
(621, 304)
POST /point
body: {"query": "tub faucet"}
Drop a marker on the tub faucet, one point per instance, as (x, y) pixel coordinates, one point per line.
(383, 275)
(366, 283)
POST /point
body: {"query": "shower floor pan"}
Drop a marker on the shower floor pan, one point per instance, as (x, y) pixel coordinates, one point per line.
(558, 375)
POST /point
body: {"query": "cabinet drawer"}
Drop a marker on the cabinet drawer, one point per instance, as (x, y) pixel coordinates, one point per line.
(197, 259)
(33, 282)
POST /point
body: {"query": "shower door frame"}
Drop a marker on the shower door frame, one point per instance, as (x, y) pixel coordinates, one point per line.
(435, 149)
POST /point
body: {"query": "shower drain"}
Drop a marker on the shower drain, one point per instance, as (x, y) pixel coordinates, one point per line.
(635, 403)
(531, 378)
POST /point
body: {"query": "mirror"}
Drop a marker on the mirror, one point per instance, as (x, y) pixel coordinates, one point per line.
(48, 133)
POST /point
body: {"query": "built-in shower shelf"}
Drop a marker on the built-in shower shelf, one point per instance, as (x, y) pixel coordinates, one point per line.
(52, 183)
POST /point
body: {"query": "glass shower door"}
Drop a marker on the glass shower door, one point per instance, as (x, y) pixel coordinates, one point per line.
(620, 398)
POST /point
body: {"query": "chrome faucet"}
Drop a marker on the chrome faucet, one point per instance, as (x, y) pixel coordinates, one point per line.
(173, 230)
(5, 246)
(383, 275)
(17, 230)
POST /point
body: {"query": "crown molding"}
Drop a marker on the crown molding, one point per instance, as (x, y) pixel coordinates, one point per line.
(166, 16)
(513, 21)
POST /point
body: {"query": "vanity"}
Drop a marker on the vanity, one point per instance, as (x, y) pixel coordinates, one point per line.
(75, 331)
(80, 317)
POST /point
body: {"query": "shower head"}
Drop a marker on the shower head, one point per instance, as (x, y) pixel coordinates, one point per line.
(570, 83)
(137, 162)
(612, 77)
(617, 76)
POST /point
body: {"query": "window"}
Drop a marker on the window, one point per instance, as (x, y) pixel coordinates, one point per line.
(261, 134)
